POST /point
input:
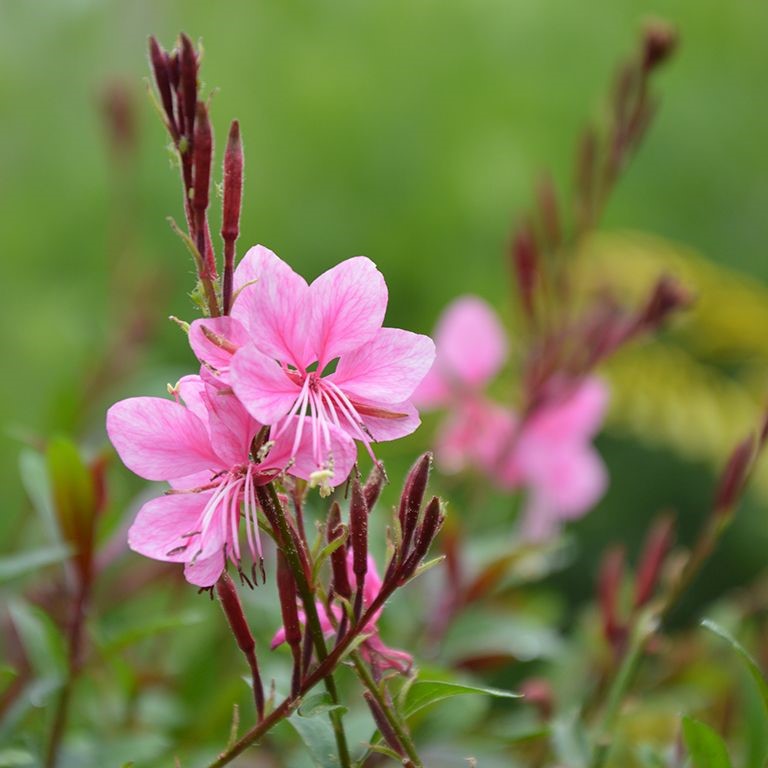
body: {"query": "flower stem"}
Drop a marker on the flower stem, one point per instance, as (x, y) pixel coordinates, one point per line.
(74, 639)
(277, 516)
(393, 717)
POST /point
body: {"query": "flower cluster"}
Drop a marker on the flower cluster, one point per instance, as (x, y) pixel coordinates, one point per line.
(546, 451)
(288, 382)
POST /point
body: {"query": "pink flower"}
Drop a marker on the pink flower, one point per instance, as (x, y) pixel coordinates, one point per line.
(373, 649)
(205, 449)
(471, 349)
(549, 453)
(284, 337)
(553, 457)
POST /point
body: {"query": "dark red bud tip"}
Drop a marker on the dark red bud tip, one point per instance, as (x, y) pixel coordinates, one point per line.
(412, 498)
(433, 521)
(667, 296)
(358, 532)
(525, 262)
(609, 587)
(162, 71)
(548, 210)
(659, 43)
(233, 184)
(377, 479)
(233, 610)
(188, 85)
(660, 539)
(734, 477)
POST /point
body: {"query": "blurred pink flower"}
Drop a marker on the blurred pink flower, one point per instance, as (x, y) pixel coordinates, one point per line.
(284, 337)
(554, 459)
(549, 453)
(204, 448)
(373, 649)
(471, 349)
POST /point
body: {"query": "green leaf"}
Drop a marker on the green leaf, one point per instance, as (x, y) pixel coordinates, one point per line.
(42, 641)
(122, 639)
(569, 739)
(34, 478)
(424, 693)
(327, 551)
(16, 758)
(706, 748)
(26, 562)
(746, 657)
(313, 725)
(74, 495)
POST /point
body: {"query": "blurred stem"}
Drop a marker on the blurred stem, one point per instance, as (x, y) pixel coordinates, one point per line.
(74, 643)
(645, 626)
(393, 717)
(313, 620)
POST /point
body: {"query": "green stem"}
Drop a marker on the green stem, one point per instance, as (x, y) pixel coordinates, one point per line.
(313, 621)
(393, 718)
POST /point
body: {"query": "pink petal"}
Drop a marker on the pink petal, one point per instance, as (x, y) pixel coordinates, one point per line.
(161, 524)
(262, 386)
(159, 439)
(208, 349)
(188, 482)
(205, 572)
(471, 343)
(578, 416)
(274, 307)
(231, 427)
(383, 429)
(191, 389)
(476, 435)
(348, 303)
(434, 391)
(387, 368)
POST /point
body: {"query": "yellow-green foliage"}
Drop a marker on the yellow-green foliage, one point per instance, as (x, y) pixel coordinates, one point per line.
(700, 387)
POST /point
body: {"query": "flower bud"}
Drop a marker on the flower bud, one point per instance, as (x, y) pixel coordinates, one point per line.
(187, 87)
(525, 261)
(412, 498)
(358, 534)
(385, 729)
(233, 610)
(734, 477)
(659, 43)
(609, 587)
(657, 545)
(377, 479)
(161, 69)
(339, 555)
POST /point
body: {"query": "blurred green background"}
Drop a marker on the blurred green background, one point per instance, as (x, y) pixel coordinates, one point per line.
(411, 131)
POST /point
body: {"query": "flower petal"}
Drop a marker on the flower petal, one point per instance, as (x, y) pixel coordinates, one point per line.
(578, 416)
(161, 524)
(272, 305)
(471, 342)
(388, 368)
(215, 339)
(205, 572)
(383, 429)
(434, 391)
(348, 303)
(191, 389)
(231, 427)
(262, 386)
(159, 439)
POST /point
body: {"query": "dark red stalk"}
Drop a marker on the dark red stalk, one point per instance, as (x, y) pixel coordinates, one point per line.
(525, 261)
(385, 729)
(230, 223)
(338, 556)
(734, 477)
(233, 610)
(286, 586)
(609, 587)
(358, 534)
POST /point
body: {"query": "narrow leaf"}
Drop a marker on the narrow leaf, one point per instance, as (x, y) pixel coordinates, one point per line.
(706, 748)
(424, 693)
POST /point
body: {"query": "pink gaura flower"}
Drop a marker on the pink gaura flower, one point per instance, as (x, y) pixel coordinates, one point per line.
(373, 649)
(203, 444)
(554, 459)
(471, 349)
(548, 453)
(316, 355)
